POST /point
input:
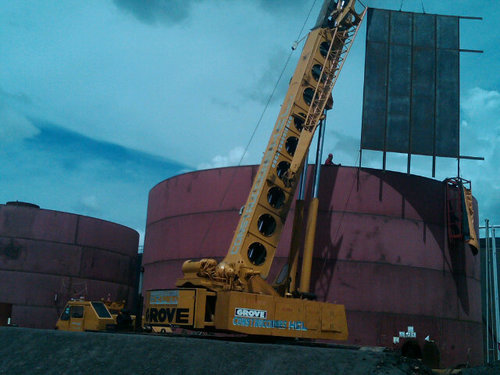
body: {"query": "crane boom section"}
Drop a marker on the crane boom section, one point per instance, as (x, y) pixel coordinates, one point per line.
(261, 223)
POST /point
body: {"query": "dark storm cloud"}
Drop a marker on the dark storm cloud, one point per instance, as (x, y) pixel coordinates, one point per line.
(19, 97)
(73, 150)
(157, 11)
(264, 86)
(63, 170)
(169, 12)
(343, 146)
(284, 5)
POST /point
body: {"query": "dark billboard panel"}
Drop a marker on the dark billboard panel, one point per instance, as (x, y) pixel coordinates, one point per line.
(411, 89)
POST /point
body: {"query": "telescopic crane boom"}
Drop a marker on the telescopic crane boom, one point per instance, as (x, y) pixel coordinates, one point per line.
(233, 295)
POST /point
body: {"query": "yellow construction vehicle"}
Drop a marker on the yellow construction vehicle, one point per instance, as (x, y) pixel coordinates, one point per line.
(233, 295)
(82, 315)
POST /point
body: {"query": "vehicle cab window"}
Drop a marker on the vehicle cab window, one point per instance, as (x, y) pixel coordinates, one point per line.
(76, 311)
(101, 310)
(65, 314)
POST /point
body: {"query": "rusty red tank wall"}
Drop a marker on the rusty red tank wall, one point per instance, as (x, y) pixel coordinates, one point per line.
(47, 257)
(381, 250)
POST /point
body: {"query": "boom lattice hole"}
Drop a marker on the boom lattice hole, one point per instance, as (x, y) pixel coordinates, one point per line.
(282, 168)
(291, 145)
(266, 225)
(257, 253)
(316, 72)
(308, 95)
(298, 121)
(323, 48)
(276, 197)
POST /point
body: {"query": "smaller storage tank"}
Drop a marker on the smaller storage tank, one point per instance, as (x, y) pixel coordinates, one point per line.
(48, 257)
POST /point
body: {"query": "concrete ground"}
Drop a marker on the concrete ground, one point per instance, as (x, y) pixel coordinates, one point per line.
(491, 369)
(32, 351)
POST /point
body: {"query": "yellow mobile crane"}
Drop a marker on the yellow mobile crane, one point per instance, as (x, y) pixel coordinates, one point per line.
(233, 295)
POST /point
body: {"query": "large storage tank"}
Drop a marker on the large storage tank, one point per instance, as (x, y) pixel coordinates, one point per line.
(48, 257)
(381, 250)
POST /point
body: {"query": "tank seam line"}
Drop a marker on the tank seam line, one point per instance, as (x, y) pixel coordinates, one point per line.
(64, 275)
(191, 214)
(67, 243)
(321, 211)
(403, 266)
(337, 260)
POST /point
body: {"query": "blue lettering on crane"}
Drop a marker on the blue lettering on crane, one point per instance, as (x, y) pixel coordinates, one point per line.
(297, 326)
(259, 323)
(267, 323)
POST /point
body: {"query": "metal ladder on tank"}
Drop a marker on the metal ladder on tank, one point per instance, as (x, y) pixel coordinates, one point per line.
(454, 208)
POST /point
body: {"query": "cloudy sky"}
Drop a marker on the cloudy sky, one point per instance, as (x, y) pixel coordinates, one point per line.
(101, 100)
